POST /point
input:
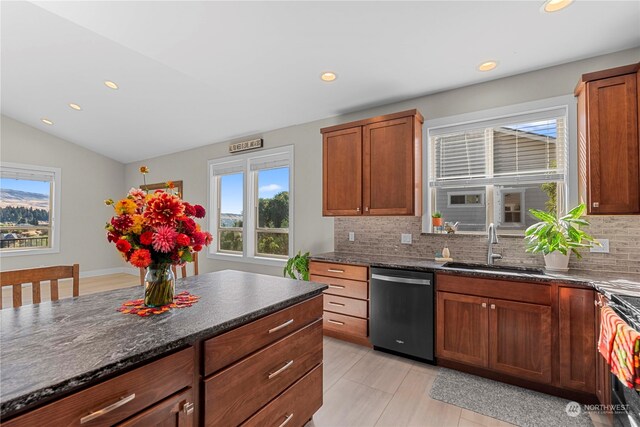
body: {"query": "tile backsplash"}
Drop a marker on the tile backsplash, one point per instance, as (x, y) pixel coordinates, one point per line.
(381, 235)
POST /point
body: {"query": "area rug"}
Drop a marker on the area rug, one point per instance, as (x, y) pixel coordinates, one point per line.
(515, 405)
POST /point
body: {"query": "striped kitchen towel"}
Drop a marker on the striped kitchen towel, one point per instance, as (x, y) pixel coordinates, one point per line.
(609, 322)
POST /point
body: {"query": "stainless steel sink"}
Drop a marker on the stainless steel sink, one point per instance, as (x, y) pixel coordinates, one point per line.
(496, 268)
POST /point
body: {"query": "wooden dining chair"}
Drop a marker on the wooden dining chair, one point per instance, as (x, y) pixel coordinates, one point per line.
(183, 269)
(35, 276)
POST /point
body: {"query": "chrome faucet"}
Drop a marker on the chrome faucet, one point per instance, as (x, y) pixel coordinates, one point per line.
(493, 239)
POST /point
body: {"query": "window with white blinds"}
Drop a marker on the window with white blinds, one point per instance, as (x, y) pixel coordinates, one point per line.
(29, 209)
(252, 198)
(523, 151)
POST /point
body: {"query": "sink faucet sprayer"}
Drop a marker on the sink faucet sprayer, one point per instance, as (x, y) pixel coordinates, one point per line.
(493, 239)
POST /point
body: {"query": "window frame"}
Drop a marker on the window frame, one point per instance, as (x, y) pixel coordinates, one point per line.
(482, 195)
(523, 210)
(250, 203)
(54, 209)
(482, 117)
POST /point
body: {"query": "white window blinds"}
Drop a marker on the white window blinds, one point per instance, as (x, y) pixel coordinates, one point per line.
(523, 148)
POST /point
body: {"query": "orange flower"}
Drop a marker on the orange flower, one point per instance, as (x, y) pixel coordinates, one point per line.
(170, 185)
(125, 206)
(144, 170)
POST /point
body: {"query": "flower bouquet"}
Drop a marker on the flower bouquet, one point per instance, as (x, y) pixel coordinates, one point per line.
(155, 231)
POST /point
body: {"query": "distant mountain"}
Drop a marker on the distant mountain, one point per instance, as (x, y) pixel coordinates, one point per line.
(230, 220)
(9, 197)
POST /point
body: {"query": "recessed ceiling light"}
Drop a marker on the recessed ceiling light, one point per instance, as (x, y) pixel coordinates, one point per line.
(110, 84)
(555, 5)
(46, 121)
(487, 66)
(75, 106)
(328, 76)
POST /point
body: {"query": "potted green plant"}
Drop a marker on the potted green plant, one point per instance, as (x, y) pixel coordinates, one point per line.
(297, 267)
(436, 219)
(556, 237)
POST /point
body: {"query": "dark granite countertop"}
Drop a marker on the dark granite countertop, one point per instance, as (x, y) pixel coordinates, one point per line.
(52, 348)
(607, 283)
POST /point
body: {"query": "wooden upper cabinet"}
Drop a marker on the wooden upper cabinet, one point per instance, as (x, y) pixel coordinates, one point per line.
(373, 166)
(342, 172)
(609, 148)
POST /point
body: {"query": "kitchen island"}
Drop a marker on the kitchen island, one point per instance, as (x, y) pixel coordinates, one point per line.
(75, 361)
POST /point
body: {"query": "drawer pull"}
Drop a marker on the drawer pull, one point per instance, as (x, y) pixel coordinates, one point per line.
(286, 420)
(281, 370)
(188, 408)
(336, 322)
(284, 325)
(336, 286)
(335, 270)
(106, 410)
(336, 303)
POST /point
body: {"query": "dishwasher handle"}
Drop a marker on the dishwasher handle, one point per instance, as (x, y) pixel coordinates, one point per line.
(402, 280)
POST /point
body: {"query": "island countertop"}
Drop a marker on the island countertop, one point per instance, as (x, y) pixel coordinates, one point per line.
(52, 348)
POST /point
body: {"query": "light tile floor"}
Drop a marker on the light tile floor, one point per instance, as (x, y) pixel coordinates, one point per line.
(363, 387)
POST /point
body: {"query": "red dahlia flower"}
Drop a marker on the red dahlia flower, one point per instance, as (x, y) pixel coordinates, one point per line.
(197, 248)
(140, 258)
(146, 238)
(200, 212)
(199, 238)
(164, 239)
(123, 246)
(188, 224)
(183, 240)
(189, 209)
(122, 223)
(163, 208)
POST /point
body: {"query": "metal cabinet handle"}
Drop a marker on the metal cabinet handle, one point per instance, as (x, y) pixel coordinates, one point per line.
(284, 325)
(493, 306)
(336, 322)
(188, 408)
(358, 209)
(595, 204)
(336, 286)
(107, 409)
(597, 303)
(336, 303)
(366, 208)
(335, 270)
(281, 370)
(286, 420)
(484, 305)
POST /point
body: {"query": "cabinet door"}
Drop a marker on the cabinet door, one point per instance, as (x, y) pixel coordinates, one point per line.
(520, 339)
(603, 372)
(577, 339)
(462, 328)
(342, 172)
(388, 172)
(174, 411)
(614, 152)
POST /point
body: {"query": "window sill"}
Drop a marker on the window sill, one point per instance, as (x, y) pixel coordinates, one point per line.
(21, 252)
(274, 262)
(471, 234)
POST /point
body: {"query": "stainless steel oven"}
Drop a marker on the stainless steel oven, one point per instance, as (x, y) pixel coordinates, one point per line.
(621, 395)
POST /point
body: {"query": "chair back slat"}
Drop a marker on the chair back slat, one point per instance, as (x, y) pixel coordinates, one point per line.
(35, 276)
(35, 292)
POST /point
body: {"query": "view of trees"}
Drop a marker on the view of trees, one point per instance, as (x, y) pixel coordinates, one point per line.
(273, 212)
(23, 215)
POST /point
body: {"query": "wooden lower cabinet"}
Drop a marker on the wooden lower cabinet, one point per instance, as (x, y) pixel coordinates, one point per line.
(520, 339)
(175, 411)
(603, 370)
(462, 330)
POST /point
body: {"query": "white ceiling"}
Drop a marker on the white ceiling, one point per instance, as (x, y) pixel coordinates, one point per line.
(196, 73)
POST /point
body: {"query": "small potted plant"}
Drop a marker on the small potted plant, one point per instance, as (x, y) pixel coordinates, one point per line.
(556, 238)
(436, 219)
(297, 267)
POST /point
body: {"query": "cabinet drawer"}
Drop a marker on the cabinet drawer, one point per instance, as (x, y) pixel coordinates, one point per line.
(236, 393)
(342, 271)
(343, 287)
(136, 390)
(295, 406)
(348, 306)
(345, 324)
(177, 410)
(225, 349)
(534, 293)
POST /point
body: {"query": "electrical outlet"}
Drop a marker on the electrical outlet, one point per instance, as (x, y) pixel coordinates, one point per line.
(352, 236)
(601, 249)
(405, 238)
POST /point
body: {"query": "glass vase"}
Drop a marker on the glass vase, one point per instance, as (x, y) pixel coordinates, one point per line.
(159, 285)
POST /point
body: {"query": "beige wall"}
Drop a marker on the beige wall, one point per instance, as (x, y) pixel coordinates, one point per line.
(87, 179)
(312, 231)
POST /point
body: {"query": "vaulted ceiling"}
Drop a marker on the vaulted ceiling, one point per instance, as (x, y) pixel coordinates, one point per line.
(196, 73)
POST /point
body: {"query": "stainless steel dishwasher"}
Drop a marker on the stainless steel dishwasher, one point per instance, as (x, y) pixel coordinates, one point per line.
(402, 315)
